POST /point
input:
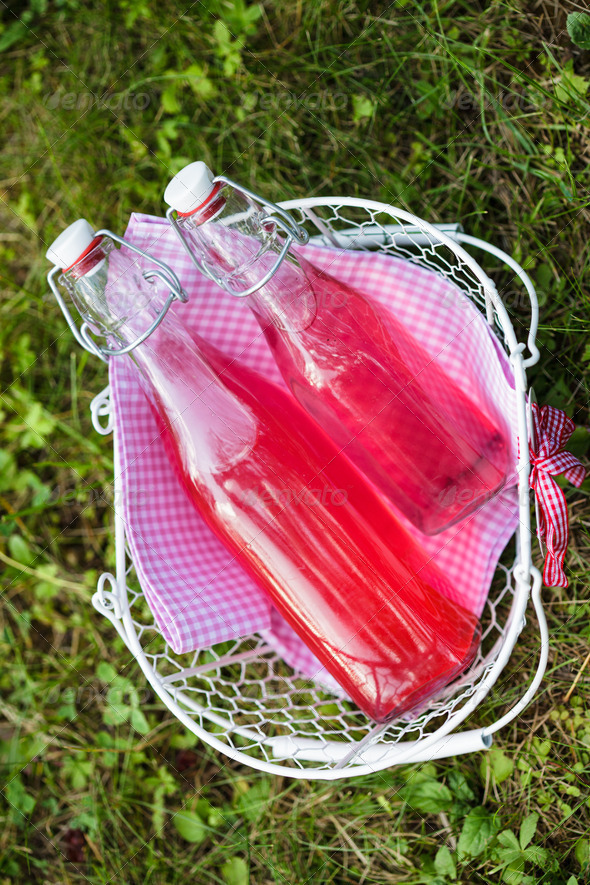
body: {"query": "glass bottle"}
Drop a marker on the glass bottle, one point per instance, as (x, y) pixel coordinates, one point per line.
(299, 517)
(353, 368)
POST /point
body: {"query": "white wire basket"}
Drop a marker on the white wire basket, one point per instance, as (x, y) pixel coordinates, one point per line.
(240, 697)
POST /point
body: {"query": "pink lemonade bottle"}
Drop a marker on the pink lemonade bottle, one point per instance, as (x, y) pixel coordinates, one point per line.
(350, 364)
(299, 517)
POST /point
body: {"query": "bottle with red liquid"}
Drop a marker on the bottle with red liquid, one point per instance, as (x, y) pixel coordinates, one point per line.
(353, 368)
(300, 518)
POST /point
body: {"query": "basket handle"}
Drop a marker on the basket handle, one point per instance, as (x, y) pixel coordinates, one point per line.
(381, 754)
(460, 237)
(517, 709)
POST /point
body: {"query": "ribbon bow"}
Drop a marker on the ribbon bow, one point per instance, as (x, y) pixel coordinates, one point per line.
(551, 429)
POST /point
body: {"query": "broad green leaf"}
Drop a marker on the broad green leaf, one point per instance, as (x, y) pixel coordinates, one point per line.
(78, 771)
(169, 99)
(579, 442)
(135, 10)
(507, 856)
(528, 828)
(65, 712)
(46, 589)
(537, 855)
(362, 108)
(501, 765)
(509, 840)
(513, 873)
(183, 740)
(235, 872)
(545, 277)
(106, 672)
(417, 775)
(199, 83)
(543, 748)
(578, 27)
(460, 788)
(252, 803)
(582, 852)
(190, 826)
(239, 17)
(138, 721)
(207, 812)
(116, 714)
(8, 468)
(21, 802)
(20, 749)
(104, 740)
(167, 780)
(444, 863)
(20, 550)
(14, 32)
(429, 796)
(478, 831)
(571, 85)
(121, 693)
(86, 821)
(566, 810)
(39, 425)
(158, 810)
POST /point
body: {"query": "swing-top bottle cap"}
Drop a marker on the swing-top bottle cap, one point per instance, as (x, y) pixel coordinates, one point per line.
(190, 188)
(71, 244)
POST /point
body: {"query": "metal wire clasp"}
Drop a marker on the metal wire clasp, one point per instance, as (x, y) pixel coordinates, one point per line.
(294, 233)
(162, 272)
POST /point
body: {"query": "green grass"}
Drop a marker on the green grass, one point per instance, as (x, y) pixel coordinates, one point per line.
(468, 111)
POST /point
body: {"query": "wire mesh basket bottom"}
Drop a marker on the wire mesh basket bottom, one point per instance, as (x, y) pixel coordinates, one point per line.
(245, 698)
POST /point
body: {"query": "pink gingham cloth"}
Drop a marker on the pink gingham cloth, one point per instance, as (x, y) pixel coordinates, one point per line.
(198, 593)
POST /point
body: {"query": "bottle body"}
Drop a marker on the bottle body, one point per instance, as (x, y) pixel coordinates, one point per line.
(337, 565)
(300, 518)
(360, 376)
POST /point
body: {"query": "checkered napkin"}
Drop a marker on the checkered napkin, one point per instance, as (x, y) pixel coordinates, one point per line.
(198, 593)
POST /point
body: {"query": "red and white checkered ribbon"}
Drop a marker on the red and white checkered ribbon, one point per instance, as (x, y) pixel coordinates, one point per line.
(551, 431)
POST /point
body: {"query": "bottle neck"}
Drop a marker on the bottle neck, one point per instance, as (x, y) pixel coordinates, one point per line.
(109, 290)
(89, 258)
(178, 371)
(238, 245)
(87, 283)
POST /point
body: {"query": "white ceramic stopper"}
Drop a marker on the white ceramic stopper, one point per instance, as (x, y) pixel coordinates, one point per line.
(67, 248)
(189, 188)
